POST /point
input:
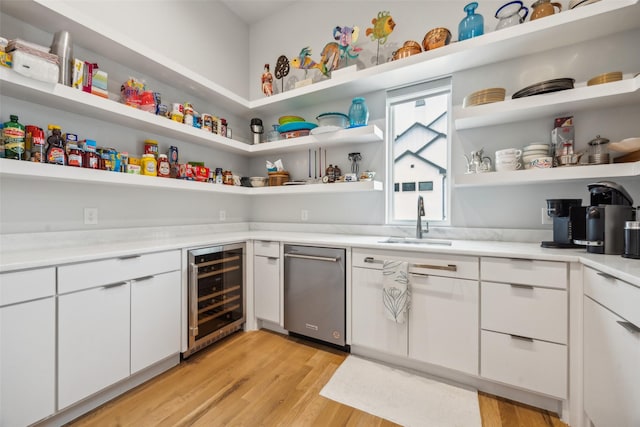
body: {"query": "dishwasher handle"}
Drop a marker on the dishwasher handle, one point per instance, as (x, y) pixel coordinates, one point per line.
(313, 257)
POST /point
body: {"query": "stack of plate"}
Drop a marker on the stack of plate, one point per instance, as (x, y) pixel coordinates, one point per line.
(577, 3)
(485, 96)
(546, 86)
(613, 76)
(289, 119)
(534, 151)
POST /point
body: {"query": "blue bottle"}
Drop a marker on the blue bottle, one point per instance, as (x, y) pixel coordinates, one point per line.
(472, 25)
(358, 113)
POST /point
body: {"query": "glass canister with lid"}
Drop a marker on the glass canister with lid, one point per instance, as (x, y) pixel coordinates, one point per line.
(599, 151)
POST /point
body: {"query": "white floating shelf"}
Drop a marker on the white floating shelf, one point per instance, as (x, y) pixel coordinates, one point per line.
(32, 171)
(546, 176)
(580, 98)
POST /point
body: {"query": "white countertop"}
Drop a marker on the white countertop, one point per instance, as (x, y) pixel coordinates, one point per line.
(129, 242)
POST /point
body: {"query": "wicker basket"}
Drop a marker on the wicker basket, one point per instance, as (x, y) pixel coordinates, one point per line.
(278, 178)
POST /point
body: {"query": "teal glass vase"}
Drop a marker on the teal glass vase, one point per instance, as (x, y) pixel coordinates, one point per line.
(472, 25)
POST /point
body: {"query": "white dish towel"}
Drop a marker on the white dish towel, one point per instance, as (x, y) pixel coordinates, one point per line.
(396, 295)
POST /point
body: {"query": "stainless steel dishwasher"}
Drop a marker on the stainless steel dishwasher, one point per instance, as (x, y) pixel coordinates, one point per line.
(315, 293)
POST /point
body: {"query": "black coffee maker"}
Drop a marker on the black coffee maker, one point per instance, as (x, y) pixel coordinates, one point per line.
(568, 223)
(611, 206)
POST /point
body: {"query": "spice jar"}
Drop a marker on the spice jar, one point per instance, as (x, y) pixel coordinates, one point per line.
(149, 165)
(164, 167)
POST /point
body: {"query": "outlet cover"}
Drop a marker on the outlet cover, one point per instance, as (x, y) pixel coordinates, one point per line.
(90, 216)
(304, 215)
(546, 219)
(223, 215)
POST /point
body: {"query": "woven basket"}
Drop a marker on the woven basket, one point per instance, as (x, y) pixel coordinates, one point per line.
(278, 178)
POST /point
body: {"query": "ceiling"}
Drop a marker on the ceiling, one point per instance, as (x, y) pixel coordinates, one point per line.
(251, 11)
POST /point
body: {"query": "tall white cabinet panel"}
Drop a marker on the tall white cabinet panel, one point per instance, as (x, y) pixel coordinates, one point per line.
(155, 319)
(369, 325)
(266, 272)
(93, 341)
(27, 362)
(443, 322)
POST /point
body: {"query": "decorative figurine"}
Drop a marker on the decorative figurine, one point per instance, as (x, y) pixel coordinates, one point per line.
(267, 81)
(328, 61)
(383, 25)
(346, 37)
(282, 69)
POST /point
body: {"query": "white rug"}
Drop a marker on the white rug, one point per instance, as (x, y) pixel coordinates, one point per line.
(401, 397)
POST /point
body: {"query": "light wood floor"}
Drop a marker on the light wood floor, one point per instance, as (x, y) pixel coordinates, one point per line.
(264, 379)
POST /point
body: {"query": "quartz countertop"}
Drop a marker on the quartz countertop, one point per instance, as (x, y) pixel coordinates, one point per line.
(123, 243)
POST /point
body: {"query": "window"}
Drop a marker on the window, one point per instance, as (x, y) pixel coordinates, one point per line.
(418, 151)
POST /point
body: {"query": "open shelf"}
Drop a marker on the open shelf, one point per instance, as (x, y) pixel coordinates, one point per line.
(546, 176)
(562, 29)
(582, 97)
(31, 170)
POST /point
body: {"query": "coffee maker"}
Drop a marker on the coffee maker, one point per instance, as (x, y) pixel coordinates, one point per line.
(568, 223)
(611, 206)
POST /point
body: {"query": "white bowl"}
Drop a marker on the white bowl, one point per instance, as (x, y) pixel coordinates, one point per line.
(258, 181)
(536, 146)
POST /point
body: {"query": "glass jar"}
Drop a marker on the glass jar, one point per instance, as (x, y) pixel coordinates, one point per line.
(599, 151)
(76, 155)
(472, 25)
(273, 135)
(358, 113)
(151, 147)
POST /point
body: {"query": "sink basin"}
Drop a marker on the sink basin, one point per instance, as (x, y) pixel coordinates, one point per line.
(414, 241)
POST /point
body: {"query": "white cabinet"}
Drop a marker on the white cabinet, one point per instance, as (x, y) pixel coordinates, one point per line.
(27, 346)
(611, 351)
(442, 325)
(155, 319)
(266, 280)
(93, 341)
(524, 318)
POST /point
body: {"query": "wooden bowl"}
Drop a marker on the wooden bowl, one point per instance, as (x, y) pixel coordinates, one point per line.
(436, 38)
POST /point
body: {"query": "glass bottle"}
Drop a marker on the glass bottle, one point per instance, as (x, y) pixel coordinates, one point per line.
(472, 25)
(358, 113)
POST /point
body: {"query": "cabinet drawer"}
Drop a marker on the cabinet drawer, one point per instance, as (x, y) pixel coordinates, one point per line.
(534, 365)
(620, 297)
(532, 312)
(104, 272)
(266, 248)
(550, 274)
(19, 286)
(444, 265)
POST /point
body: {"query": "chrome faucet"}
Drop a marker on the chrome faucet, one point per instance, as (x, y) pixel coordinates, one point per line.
(419, 220)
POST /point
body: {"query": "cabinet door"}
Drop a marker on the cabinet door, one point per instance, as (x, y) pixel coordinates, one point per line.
(266, 288)
(93, 341)
(27, 362)
(443, 322)
(369, 325)
(611, 368)
(155, 319)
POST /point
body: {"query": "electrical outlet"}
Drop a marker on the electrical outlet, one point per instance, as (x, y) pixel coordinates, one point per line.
(304, 215)
(223, 215)
(90, 216)
(546, 219)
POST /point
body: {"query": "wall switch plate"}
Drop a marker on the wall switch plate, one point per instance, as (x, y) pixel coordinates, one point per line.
(90, 216)
(223, 215)
(304, 215)
(546, 219)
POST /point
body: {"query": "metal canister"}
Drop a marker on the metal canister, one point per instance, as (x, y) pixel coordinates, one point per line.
(631, 239)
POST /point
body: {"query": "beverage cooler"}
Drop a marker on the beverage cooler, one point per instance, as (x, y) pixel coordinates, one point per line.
(216, 296)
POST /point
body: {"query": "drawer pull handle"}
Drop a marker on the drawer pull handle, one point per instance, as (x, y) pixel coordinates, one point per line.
(448, 267)
(522, 259)
(629, 326)
(142, 279)
(521, 338)
(313, 257)
(419, 274)
(114, 285)
(124, 258)
(605, 275)
(515, 285)
(272, 258)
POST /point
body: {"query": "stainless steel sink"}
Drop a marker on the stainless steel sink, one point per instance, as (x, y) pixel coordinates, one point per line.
(414, 241)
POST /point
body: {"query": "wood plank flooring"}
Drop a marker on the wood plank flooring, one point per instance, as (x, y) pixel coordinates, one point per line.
(261, 378)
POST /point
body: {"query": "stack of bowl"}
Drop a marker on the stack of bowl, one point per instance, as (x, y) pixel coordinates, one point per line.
(508, 159)
(536, 155)
(485, 96)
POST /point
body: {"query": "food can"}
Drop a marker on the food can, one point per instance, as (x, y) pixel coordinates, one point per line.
(173, 154)
(151, 147)
(207, 122)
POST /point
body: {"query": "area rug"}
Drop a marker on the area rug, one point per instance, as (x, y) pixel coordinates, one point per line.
(404, 398)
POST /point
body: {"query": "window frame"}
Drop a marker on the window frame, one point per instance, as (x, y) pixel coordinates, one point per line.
(412, 93)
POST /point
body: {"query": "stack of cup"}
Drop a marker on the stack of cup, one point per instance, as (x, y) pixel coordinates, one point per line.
(508, 159)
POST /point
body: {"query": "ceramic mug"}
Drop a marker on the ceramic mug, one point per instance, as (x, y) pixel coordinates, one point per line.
(508, 152)
(508, 166)
(543, 8)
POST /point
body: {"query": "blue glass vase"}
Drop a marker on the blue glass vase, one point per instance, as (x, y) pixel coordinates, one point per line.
(358, 113)
(472, 25)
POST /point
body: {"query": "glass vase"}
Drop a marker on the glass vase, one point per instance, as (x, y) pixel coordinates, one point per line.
(358, 113)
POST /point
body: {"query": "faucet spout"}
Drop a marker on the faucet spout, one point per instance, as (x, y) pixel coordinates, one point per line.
(419, 218)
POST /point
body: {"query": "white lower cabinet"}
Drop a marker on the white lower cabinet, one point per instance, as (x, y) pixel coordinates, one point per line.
(155, 319)
(266, 281)
(611, 351)
(27, 346)
(93, 341)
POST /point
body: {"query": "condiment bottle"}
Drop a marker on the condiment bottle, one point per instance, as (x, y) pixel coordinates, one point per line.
(164, 167)
(56, 153)
(149, 165)
(75, 155)
(14, 135)
(37, 143)
(329, 174)
(227, 178)
(218, 175)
